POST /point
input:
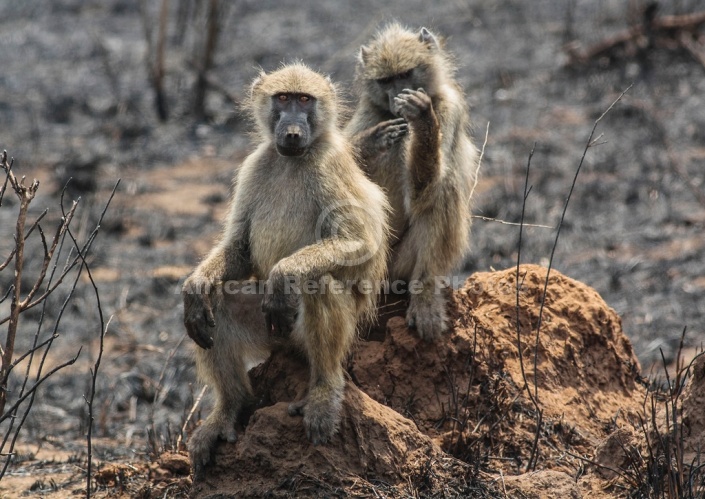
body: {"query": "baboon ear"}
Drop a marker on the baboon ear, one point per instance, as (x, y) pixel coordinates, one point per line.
(257, 81)
(364, 54)
(427, 37)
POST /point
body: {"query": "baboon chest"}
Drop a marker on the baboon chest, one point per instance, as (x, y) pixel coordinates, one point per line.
(391, 176)
(281, 224)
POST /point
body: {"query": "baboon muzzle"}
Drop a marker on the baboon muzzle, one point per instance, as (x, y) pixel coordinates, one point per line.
(292, 140)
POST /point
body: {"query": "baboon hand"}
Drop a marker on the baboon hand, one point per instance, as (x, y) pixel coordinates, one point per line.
(382, 137)
(414, 105)
(280, 306)
(388, 133)
(199, 320)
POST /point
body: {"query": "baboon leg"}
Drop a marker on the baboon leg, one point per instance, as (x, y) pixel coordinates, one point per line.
(428, 298)
(325, 331)
(240, 342)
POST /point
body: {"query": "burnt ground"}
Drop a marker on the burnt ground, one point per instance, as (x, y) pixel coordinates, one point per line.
(75, 102)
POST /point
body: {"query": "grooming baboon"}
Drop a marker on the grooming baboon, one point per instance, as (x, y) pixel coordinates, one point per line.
(305, 218)
(411, 131)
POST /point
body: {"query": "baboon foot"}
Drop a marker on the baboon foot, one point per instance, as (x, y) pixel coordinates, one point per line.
(427, 315)
(321, 417)
(201, 445)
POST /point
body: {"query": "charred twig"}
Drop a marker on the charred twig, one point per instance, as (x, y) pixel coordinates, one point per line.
(212, 32)
(82, 252)
(533, 398)
(29, 233)
(517, 224)
(36, 385)
(103, 329)
(588, 145)
(91, 398)
(155, 55)
(48, 343)
(159, 387)
(195, 405)
(26, 195)
(25, 395)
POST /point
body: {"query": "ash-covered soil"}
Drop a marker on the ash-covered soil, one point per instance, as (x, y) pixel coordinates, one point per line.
(75, 101)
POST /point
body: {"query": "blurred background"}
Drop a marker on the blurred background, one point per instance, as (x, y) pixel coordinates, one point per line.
(148, 92)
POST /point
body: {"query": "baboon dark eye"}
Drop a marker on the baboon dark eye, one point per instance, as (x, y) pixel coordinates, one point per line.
(406, 75)
(304, 98)
(283, 97)
(386, 80)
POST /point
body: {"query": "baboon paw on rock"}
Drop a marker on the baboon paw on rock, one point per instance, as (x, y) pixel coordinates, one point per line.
(427, 316)
(201, 445)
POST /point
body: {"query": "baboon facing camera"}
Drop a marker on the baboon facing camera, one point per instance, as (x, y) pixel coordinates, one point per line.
(304, 218)
(411, 131)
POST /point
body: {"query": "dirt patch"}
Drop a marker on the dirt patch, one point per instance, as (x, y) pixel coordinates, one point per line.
(55, 474)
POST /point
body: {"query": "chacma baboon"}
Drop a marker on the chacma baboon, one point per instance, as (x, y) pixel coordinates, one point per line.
(411, 131)
(304, 218)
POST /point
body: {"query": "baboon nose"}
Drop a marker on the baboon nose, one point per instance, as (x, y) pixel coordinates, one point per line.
(293, 132)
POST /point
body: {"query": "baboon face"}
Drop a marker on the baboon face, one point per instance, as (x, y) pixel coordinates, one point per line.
(389, 87)
(292, 122)
(396, 60)
(293, 107)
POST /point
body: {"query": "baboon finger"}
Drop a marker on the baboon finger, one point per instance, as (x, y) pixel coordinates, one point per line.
(416, 101)
(419, 95)
(268, 322)
(411, 323)
(198, 335)
(297, 408)
(210, 318)
(404, 127)
(278, 324)
(396, 134)
(394, 122)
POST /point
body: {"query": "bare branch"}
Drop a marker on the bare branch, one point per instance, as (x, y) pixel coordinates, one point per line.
(504, 222)
(535, 399)
(49, 253)
(26, 195)
(195, 405)
(36, 385)
(33, 350)
(94, 377)
(479, 160)
(212, 33)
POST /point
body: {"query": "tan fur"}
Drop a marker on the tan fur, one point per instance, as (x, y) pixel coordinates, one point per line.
(314, 217)
(424, 160)
(395, 50)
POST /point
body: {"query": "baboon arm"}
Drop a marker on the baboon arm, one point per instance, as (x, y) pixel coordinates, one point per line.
(203, 290)
(425, 154)
(425, 164)
(377, 140)
(329, 256)
(303, 271)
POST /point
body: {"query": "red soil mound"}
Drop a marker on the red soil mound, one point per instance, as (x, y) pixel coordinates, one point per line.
(465, 399)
